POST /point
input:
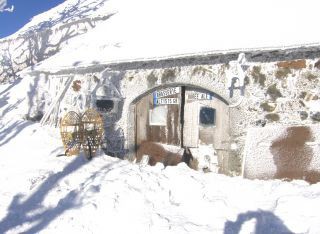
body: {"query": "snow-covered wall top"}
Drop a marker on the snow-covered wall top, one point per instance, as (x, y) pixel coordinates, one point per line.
(147, 29)
(141, 29)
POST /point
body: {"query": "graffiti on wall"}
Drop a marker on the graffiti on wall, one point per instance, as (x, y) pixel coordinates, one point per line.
(236, 75)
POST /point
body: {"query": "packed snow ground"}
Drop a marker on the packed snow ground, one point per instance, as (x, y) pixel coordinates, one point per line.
(42, 193)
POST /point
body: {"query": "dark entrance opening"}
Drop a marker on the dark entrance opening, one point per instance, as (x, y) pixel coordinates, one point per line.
(183, 100)
(105, 105)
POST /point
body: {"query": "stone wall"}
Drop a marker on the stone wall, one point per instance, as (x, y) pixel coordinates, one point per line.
(283, 152)
(275, 93)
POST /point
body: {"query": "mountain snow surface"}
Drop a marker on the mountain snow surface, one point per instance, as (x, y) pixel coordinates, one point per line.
(42, 193)
(144, 29)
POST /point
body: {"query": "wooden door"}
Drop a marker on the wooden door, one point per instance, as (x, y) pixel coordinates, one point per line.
(206, 119)
(178, 117)
(158, 117)
(206, 125)
(191, 124)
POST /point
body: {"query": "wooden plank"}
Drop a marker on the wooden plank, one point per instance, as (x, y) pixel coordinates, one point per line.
(191, 127)
(169, 134)
(142, 110)
(174, 137)
(56, 102)
(206, 135)
(170, 126)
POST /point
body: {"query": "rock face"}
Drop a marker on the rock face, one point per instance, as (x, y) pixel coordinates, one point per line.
(303, 115)
(272, 117)
(274, 92)
(316, 116)
(295, 64)
(268, 106)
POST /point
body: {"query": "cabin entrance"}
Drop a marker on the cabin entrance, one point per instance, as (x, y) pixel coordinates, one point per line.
(171, 119)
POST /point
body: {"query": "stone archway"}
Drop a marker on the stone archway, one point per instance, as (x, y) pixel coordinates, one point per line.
(194, 116)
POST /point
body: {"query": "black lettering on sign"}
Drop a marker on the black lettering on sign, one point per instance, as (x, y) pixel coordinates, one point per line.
(167, 101)
(166, 92)
(199, 96)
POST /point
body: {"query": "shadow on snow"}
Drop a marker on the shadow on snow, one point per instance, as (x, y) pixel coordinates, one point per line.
(34, 215)
(266, 223)
(10, 132)
(41, 41)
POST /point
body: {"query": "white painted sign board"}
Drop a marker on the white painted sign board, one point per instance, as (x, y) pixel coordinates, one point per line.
(167, 101)
(200, 96)
(166, 92)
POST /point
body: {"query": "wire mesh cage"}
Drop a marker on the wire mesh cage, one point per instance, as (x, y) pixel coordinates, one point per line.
(71, 133)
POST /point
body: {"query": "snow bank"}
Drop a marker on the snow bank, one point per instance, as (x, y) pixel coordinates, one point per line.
(42, 193)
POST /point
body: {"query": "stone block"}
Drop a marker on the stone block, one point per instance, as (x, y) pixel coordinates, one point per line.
(315, 116)
(293, 64)
(303, 115)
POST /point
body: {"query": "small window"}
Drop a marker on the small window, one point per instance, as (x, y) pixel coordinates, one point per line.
(158, 116)
(105, 105)
(207, 116)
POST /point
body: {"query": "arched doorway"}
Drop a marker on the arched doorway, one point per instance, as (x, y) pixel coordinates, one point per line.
(178, 117)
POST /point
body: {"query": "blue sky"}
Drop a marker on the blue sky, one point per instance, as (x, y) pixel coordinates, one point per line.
(22, 12)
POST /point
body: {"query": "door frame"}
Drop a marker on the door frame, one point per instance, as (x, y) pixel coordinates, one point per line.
(131, 130)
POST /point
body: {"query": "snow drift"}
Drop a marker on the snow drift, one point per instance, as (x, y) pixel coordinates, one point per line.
(42, 193)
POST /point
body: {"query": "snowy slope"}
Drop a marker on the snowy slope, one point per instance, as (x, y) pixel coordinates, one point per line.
(67, 12)
(143, 29)
(48, 33)
(42, 193)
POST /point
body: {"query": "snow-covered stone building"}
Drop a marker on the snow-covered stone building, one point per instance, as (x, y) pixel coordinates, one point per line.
(246, 101)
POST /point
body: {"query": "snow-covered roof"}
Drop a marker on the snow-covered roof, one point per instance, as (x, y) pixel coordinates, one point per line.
(144, 30)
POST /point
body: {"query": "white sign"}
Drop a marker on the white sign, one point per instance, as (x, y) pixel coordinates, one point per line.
(167, 101)
(200, 96)
(166, 92)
